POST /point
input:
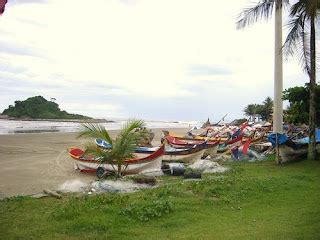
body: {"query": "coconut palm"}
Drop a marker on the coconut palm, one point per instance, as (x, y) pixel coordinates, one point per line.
(301, 42)
(123, 146)
(250, 111)
(267, 108)
(264, 9)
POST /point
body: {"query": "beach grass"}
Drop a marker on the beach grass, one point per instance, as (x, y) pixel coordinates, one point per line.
(251, 201)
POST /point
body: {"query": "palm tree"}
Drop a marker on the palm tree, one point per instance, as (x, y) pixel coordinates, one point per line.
(302, 36)
(249, 111)
(267, 108)
(264, 9)
(123, 146)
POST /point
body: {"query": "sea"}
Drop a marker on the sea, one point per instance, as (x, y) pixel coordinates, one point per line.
(20, 127)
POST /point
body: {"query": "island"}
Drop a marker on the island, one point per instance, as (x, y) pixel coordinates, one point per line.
(38, 109)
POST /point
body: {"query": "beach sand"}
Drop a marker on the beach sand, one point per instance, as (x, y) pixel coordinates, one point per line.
(35, 161)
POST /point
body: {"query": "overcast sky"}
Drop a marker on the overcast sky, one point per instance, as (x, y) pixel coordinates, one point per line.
(151, 59)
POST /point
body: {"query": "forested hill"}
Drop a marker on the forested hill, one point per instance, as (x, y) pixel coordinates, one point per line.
(39, 108)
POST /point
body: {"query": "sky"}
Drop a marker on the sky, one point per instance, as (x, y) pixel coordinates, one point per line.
(151, 59)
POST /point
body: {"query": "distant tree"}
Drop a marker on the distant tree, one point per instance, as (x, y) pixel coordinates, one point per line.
(250, 111)
(261, 111)
(267, 109)
(298, 109)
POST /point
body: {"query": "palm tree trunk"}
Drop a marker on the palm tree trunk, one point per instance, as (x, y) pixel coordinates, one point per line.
(278, 75)
(312, 107)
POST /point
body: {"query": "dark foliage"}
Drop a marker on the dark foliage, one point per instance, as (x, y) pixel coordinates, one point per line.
(298, 110)
(262, 111)
(39, 108)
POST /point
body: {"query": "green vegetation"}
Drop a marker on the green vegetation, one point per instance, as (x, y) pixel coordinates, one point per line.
(39, 108)
(262, 111)
(122, 148)
(298, 110)
(252, 201)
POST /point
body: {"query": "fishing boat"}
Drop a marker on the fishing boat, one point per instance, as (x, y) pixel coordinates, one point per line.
(211, 146)
(191, 136)
(290, 150)
(141, 164)
(230, 143)
(188, 154)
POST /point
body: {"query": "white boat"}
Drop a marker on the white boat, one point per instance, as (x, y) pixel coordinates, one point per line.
(141, 164)
(186, 155)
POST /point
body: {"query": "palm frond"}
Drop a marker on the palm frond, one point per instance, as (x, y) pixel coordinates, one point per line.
(93, 130)
(297, 41)
(250, 15)
(263, 10)
(128, 138)
(298, 8)
(123, 147)
(100, 154)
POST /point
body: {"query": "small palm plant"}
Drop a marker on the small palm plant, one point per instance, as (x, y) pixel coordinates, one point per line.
(122, 147)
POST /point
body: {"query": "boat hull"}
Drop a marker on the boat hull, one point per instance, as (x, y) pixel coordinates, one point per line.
(142, 164)
(289, 154)
(139, 168)
(186, 158)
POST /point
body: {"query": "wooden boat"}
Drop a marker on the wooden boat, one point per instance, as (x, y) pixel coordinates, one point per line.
(182, 155)
(290, 150)
(193, 137)
(211, 146)
(257, 139)
(142, 164)
(187, 154)
(230, 143)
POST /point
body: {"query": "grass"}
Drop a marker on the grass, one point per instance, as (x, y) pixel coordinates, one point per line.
(251, 201)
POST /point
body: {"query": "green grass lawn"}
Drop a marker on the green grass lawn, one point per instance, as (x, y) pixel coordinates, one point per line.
(251, 201)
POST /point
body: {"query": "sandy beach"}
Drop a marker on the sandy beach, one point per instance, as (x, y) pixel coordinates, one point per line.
(35, 161)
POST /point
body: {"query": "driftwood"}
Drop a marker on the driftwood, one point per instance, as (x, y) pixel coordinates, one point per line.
(145, 180)
(52, 193)
(39, 195)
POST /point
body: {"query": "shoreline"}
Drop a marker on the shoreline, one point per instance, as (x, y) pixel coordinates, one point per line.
(57, 131)
(31, 162)
(58, 120)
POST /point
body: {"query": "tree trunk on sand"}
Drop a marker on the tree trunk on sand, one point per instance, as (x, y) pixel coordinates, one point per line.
(278, 75)
(312, 106)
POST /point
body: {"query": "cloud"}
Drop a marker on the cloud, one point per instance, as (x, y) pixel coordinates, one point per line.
(129, 2)
(19, 49)
(13, 2)
(155, 59)
(7, 67)
(207, 70)
(31, 22)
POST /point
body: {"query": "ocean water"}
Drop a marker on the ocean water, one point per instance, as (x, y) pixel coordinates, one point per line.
(18, 127)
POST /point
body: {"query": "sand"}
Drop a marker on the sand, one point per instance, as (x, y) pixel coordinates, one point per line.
(35, 161)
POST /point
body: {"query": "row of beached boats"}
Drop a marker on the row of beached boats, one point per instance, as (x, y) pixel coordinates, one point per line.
(149, 159)
(242, 142)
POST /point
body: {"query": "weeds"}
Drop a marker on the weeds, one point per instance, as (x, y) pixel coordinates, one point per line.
(146, 211)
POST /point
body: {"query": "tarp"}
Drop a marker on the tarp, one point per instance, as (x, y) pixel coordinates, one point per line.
(277, 137)
(306, 139)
